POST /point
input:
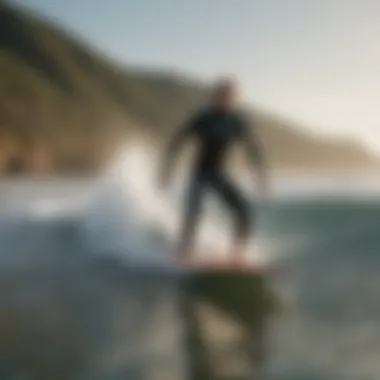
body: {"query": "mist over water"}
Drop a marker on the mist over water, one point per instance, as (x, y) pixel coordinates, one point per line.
(324, 234)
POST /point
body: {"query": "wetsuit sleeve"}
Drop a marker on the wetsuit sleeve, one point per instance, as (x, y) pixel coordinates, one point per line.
(177, 139)
(253, 145)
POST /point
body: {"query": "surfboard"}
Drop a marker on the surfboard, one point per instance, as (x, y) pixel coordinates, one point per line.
(216, 263)
(234, 284)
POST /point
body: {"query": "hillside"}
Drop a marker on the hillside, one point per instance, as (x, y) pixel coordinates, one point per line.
(63, 106)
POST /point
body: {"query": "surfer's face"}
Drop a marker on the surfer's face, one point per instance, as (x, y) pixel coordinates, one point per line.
(224, 95)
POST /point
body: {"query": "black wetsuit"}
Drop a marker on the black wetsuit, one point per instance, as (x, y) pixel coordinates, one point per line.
(215, 131)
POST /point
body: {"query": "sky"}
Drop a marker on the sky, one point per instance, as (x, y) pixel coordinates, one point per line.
(316, 62)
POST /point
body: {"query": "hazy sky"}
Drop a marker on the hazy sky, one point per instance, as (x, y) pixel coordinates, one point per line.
(314, 61)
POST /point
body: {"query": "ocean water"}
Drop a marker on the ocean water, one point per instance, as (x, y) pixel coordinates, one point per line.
(324, 235)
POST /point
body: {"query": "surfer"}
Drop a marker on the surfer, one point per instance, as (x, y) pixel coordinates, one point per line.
(215, 129)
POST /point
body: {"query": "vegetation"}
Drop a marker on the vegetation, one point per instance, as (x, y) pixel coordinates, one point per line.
(63, 106)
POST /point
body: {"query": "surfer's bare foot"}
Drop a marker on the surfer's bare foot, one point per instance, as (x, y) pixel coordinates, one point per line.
(237, 257)
(237, 261)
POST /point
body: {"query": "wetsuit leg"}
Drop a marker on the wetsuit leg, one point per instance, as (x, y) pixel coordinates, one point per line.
(236, 201)
(192, 212)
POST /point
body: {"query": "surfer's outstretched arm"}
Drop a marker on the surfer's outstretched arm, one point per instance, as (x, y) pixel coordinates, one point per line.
(256, 154)
(174, 145)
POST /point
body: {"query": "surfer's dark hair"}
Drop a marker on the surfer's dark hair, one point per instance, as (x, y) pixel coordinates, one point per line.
(223, 84)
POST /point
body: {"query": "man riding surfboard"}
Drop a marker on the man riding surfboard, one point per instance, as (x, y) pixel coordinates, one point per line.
(215, 129)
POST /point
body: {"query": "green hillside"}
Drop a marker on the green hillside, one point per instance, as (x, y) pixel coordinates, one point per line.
(63, 105)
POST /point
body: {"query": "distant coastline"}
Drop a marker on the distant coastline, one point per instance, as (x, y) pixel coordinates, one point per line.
(64, 109)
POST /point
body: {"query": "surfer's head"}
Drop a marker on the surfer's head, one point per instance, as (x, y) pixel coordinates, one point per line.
(224, 92)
